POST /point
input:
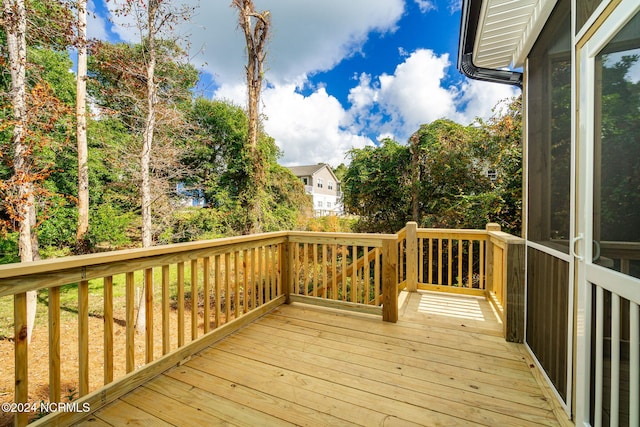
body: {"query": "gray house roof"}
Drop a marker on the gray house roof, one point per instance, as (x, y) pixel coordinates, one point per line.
(309, 170)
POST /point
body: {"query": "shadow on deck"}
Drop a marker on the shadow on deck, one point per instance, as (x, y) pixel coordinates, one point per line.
(443, 363)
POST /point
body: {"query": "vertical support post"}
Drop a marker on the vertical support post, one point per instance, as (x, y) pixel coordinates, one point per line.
(390, 281)
(412, 256)
(514, 262)
(489, 272)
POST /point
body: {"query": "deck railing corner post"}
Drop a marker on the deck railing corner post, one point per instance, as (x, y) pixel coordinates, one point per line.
(390, 281)
(514, 265)
(412, 256)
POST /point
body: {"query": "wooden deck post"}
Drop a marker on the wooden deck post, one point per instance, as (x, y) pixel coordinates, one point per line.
(412, 256)
(489, 260)
(514, 297)
(390, 281)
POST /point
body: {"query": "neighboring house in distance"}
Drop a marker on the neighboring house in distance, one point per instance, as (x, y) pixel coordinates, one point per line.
(322, 185)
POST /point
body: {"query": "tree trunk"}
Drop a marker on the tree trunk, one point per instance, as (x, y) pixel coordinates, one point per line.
(15, 23)
(256, 38)
(147, 144)
(149, 128)
(81, 131)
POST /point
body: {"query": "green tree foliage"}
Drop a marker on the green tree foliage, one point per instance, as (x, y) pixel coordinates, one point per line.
(218, 158)
(440, 178)
(376, 187)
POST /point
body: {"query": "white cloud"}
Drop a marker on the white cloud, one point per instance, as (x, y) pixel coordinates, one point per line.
(425, 5)
(309, 129)
(307, 36)
(313, 36)
(415, 95)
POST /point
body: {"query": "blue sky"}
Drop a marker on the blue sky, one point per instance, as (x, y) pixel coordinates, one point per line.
(341, 73)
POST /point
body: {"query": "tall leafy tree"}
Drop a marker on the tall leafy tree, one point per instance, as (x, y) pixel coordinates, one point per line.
(440, 179)
(154, 20)
(33, 113)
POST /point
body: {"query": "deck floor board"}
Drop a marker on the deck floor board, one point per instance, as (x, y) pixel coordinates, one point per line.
(305, 365)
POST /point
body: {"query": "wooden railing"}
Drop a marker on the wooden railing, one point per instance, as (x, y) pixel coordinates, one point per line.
(487, 263)
(189, 295)
(348, 268)
(444, 260)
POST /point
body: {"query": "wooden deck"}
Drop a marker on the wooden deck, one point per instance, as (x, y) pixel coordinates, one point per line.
(443, 363)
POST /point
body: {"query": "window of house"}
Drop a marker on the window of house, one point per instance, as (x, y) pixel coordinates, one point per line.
(329, 205)
(320, 204)
(305, 180)
(330, 185)
(319, 182)
(492, 174)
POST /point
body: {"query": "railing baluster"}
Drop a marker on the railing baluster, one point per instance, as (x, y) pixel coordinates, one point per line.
(180, 304)
(165, 310)
(325, 283)
(354, 273)
(261, 275)
(482, 284)
(194, 299)
(236, 282)
(615, 360)
(365, 277)
(54, 344)
(21, 356)
(245, 292)
(599, 345)
(334, 271)
(108, 330)
(206, 285)
(217, 292)
(345, 250)
(130, 331)
(420, 260)
(305, 266)
(227, 287)
(314, 265)
(470, 264)
(460, 276)
(148, 312)
(450, 261)
(430, 261)
(83, 338)
(275, 271)
(440, 261)
(376, 276)
(255, 275)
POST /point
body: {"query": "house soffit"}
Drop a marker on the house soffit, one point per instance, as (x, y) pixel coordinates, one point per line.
(507, 30)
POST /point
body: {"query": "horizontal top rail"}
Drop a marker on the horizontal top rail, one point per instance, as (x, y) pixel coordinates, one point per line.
(445, 233)
(27, 276)
(22, 277)
(357, 239)
(501, 238)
